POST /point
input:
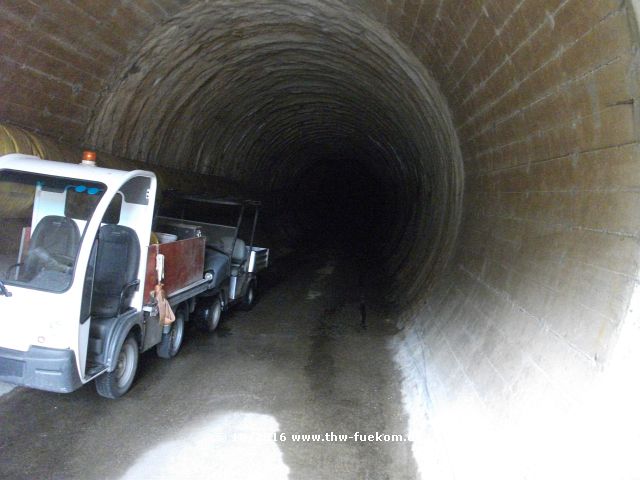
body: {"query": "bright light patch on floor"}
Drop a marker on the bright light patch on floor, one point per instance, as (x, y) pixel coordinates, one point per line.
(233, 446)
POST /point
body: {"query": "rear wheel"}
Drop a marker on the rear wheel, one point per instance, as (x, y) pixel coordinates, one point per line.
(172, 341)
(209, 316)
(117, 383)
(249, 298)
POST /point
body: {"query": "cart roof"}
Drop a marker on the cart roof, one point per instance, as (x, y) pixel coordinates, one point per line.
(110, 177)
(233, 201)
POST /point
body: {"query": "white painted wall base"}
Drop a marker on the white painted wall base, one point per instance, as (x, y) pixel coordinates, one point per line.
(5, 388)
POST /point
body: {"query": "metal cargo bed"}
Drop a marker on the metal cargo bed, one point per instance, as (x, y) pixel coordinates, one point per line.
(258, 259)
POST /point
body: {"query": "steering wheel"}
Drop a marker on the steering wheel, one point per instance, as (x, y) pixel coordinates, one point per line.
(59, 262)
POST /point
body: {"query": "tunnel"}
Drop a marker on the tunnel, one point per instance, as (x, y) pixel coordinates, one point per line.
(476, 161)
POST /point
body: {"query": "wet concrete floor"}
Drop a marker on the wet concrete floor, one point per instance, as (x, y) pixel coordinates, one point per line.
(231, 404)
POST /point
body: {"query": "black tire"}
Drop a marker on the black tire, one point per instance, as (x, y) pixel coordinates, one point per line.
(115, 384)
(249, 298)
(172, 341)
(209, 316)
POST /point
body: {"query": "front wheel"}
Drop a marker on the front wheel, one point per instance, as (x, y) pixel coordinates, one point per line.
(172, 341)
(209, 316)
(117, 383)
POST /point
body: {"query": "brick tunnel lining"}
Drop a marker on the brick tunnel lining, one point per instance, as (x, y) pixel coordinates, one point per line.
(543, 98)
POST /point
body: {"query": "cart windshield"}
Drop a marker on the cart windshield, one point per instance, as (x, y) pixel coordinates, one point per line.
(43, 218)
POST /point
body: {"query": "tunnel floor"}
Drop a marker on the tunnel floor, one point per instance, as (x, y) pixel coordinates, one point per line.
(301, 362)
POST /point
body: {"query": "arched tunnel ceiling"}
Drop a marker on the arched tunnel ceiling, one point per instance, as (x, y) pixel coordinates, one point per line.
(253, 91)
(256, 75)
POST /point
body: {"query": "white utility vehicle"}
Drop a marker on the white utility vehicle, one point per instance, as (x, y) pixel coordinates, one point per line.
(84, 282)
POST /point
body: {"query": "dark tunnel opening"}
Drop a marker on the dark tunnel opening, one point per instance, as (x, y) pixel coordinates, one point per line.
(340, 206)
(338, 203)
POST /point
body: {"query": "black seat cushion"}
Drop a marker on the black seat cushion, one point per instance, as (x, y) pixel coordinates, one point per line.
(117, 265)
(238, 251)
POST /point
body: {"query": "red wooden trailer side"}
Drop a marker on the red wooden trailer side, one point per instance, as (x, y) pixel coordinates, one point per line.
(183, 265)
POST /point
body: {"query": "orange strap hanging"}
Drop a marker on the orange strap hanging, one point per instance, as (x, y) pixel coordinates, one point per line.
(167, 317)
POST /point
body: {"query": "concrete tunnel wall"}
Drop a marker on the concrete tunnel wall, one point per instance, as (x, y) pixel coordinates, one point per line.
(505, 133)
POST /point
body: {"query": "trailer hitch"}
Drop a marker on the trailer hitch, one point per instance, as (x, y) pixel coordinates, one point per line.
(4, 291)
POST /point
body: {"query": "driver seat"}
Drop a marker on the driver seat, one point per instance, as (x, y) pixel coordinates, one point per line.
(57, 236)
(117, 264)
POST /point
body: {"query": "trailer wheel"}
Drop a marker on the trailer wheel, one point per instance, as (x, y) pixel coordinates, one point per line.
(171, 342)
(209, 316)
(117, 383)
(249, 298)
